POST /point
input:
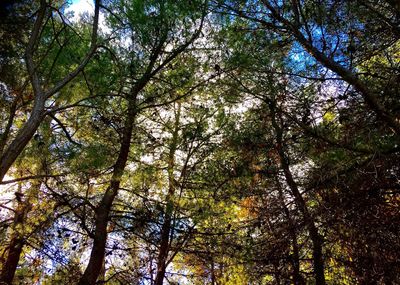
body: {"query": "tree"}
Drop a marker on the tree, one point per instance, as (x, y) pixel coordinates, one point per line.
(298, 20)
(156, 61)
(218, 142)
(26, 132)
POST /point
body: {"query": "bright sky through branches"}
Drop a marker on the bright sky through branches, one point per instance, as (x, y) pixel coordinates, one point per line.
(79, 7)
(199, 142)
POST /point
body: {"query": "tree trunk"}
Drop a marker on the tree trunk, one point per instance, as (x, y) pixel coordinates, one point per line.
(297, 278)
(93, 268)
(371, 98)
(7, 129)
(312, 229)
(169, 209)
(299, 200)
(17, 240)
(29, 128)
(11, 263)
(22, 139)
(97, 254)
(213, 279)
(163, 253)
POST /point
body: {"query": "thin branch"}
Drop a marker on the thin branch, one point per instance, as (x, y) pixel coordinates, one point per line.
(30, 178)
(64, 129)
(81, 66)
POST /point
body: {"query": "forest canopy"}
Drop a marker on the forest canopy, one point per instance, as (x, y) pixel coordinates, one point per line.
(200, 142)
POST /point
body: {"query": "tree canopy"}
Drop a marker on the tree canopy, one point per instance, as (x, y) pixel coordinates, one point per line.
(200, 142)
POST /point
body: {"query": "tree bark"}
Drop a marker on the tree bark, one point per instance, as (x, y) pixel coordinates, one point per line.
(14, 249)
(213, 277)
(169, 209)
(38, 113)
(7, 129)
(13, 256)
(164, 249)
(23, 137)
(102, 212)
(29, 128)
(299, 201)
(295, 260)
(17, 240)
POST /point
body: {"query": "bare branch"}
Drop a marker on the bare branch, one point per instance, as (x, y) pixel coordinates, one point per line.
(31, 177)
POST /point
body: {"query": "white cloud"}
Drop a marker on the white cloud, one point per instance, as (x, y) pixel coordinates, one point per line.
(79, 7)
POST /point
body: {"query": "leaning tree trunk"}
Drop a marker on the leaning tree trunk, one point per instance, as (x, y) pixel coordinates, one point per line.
(102, 212)
(25, 134)
(22, 139)
(38, 113)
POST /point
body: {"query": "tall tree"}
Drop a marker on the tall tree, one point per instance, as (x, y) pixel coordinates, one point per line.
(40, 94)
(155, 36)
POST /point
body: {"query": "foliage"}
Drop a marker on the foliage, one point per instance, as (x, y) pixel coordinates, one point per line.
(208, 142)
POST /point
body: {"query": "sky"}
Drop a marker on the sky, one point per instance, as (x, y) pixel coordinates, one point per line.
(79, 7)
